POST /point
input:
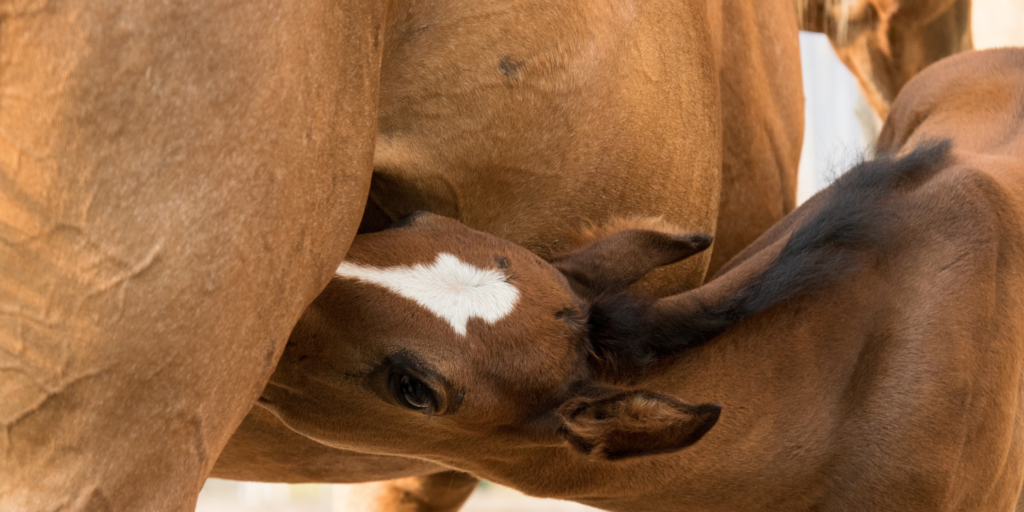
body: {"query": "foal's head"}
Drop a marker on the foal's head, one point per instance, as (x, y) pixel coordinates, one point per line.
(433, 335)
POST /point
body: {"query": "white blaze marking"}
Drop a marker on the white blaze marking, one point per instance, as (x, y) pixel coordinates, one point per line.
(451, 289)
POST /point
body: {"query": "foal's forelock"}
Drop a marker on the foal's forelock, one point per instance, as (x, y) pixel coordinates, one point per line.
(450, 288)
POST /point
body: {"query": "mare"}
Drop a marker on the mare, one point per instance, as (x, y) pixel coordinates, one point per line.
(531, 166)
(180, 181)
(885, 43)
(755, 52)
(866, 353)
(177, 182)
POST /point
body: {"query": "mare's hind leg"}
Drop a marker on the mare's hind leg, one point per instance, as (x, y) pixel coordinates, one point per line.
(439, 492)
(762, 123)
(178, 181)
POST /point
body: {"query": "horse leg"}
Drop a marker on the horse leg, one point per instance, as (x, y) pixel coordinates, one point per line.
(178, 181)
(438, 492)
(762, 122)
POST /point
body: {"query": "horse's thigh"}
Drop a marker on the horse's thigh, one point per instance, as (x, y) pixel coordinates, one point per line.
(762, 121)
(439, 492)
(177, 182)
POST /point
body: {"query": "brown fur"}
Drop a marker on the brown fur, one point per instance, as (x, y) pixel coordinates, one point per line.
(627, 165)
(254, 454)
(177, 182)
(576, 112)
(891, 380)
(886, 42)
(592, 232)
(474, 181)
(632, 251)
(762, 123)
(634, 423)
(440, 492)
(166, 215)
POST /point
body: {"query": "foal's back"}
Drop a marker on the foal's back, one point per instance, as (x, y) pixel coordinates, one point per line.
(895, 382)
(964, 286)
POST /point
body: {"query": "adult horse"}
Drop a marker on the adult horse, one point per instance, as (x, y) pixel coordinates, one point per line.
(757, 61)
(885, 43)
(867, 353)
(180, 181)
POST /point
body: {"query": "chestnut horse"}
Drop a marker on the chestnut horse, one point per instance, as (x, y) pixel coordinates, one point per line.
(179, 182)
(866, 353)
(757, 61)
(885, 43)
(762, 123)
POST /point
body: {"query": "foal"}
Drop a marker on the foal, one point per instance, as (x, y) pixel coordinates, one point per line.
(453, 333)
(864, 354)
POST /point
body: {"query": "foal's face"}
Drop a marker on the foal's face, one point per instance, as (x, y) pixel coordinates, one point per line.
(433, 338)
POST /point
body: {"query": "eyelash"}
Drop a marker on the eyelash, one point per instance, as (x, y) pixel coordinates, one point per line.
(400, 381)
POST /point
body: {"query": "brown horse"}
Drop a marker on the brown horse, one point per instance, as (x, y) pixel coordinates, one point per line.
(865, 354)
(179, 182)
(885, 43)
(762, 121)
(530, 119)
(762, 109)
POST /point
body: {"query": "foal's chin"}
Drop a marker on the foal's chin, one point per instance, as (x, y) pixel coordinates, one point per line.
(327, 424)
(293, 409)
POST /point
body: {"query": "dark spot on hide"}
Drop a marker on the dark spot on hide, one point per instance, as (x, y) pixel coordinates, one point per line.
(509, 67)
(501, 261)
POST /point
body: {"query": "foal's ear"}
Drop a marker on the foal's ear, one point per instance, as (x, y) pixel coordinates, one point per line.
(614, 262)
(633, 423)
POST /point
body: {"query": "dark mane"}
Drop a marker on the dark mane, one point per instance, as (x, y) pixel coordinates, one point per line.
(627, 337)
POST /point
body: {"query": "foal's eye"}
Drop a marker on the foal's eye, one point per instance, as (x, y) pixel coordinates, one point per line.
(414, 394)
